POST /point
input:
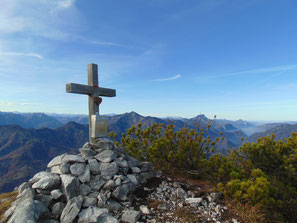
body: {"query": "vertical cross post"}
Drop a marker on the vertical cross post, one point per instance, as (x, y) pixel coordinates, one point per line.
(93, 107)
(94, 92)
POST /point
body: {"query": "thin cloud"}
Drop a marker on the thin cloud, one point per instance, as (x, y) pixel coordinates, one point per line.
(279, 69)
(168, 79)
(66, 3)
(103, 43)
(53, 16)
(12, 104)
(111, 44)
(22, 54)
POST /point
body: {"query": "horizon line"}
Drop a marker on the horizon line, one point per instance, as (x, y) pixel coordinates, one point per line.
(153, 115)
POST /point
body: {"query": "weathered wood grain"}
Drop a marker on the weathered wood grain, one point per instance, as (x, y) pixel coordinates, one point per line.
(79, 89)
(89, 90)
(93, 107)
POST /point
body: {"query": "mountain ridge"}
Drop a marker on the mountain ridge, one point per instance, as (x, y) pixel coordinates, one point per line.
(23, 151)
(280, 132)
(29, 120)
(53, 120)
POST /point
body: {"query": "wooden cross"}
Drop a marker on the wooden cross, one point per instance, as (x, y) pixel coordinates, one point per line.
(94, 92)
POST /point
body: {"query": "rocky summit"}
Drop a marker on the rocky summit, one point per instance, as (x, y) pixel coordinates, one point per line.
(96, 185)
(103, 184)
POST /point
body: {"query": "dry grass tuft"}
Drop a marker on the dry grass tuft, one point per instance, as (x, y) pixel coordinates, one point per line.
(155, 203)
(5, 201)
(246, 212)
(185, 215)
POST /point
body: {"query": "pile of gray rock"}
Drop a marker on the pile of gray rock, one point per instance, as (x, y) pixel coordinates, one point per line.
(96, 185)
(176, 202)
(102, 184)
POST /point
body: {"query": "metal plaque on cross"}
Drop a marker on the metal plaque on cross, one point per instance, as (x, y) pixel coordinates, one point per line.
(97, 123)
(99, 126)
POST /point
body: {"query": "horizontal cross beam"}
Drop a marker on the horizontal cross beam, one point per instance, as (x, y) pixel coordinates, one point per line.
(90, 90)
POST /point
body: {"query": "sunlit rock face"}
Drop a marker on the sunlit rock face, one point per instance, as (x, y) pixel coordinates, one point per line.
(96, 185)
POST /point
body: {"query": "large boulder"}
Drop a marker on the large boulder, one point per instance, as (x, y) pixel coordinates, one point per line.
(47, 183)
(70, 186)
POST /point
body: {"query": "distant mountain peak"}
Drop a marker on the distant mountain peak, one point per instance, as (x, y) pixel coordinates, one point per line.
(71, 124)
(133, 113)
(228, 126)
(202, 116)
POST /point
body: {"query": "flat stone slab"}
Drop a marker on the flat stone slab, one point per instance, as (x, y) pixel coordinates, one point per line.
(109, 169)
(47, 183)
(77, 169)
(130, 216)
(56, 170)
(73, 159)
(193, 200)
(92, 214)
(39, 176)
(106, 156)
(104, 144)
(56, 161)
(87, 152)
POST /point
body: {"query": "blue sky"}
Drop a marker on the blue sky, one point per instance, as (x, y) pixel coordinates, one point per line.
(230, 58)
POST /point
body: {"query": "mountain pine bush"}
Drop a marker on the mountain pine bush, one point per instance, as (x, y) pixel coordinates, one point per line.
(169, 150)
(261, 174)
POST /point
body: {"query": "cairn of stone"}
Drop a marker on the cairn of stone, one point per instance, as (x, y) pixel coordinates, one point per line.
(96, 185)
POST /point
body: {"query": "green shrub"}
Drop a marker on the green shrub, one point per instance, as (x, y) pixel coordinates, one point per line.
(183, 151)
(261, 174)
(255, 190)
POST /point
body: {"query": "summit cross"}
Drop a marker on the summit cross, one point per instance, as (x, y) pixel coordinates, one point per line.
(94, 92)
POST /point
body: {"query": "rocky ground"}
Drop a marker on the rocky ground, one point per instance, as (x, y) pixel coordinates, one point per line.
(174, 200)
(103, 184)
